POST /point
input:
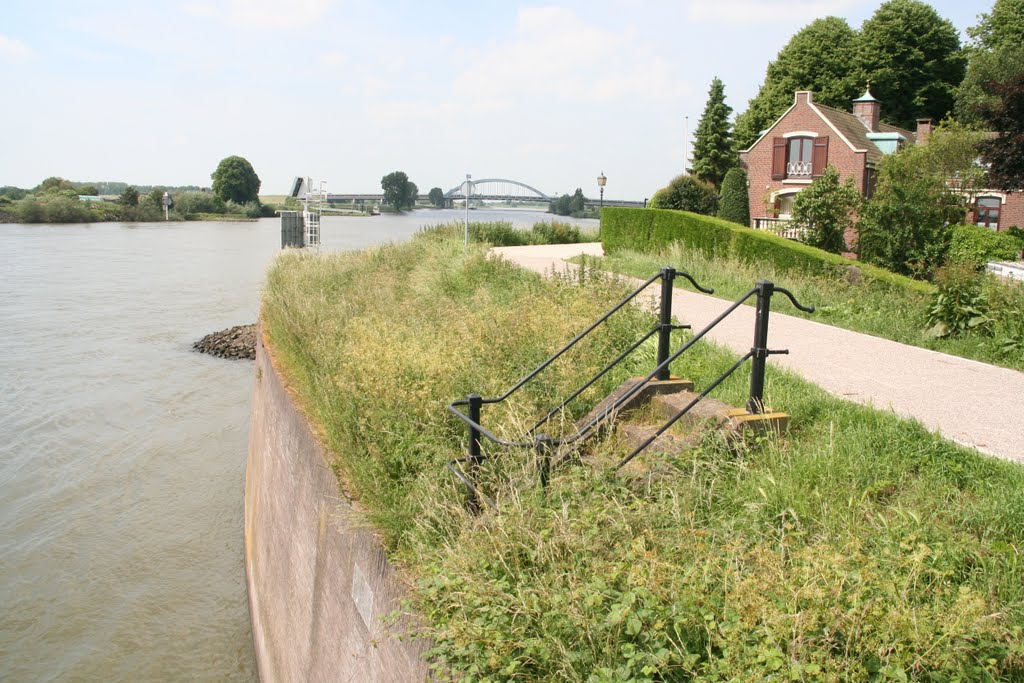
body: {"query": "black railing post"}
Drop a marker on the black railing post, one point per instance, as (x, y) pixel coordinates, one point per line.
(668, 274)
(759, 351)
(475, 454)
(542, 442)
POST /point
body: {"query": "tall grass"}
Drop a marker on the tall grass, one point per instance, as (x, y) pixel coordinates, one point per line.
(862, 305)
(858, 546)
(504, 234)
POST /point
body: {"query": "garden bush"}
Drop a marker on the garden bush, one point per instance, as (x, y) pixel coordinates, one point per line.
(976, 246)
(735, 205)
(687, 193)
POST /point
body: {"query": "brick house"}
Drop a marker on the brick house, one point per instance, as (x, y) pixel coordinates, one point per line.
(810, 136)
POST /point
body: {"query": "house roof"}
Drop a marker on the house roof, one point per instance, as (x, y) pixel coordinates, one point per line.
(854, 131)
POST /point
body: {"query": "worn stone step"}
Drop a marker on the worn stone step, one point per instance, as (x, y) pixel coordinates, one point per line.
(642, 397)
(712, 413)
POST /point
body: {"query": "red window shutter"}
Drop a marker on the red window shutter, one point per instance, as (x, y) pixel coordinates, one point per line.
(819, 160)
(778, 158)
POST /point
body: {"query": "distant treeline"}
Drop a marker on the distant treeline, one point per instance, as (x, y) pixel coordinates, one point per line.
(57, 200)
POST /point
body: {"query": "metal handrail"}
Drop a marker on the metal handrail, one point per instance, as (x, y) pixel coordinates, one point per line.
(544, 444)
(476, 402)
(518, 385)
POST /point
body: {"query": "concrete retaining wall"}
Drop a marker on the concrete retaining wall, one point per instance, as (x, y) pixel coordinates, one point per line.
(319, 582)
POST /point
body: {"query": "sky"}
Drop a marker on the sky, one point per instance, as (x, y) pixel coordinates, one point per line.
(348, 91)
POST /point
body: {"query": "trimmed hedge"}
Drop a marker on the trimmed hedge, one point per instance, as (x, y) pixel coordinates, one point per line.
(650, 230)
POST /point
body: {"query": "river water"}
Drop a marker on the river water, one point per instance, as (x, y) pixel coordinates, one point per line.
(122, 452)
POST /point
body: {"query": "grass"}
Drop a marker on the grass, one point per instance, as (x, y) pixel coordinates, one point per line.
(862, 305)
(858, 546)
(505, 234)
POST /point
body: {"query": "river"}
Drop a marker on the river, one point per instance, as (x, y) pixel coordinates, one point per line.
(122, 452)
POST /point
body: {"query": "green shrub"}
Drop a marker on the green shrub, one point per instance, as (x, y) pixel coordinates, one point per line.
(555, 232)
(504, 234)
(959, 304)
(688, 193)
(976, 246)
(735, 205)
(188, 203)
(825, 210)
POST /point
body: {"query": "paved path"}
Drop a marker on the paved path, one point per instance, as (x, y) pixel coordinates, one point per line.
(972, 403)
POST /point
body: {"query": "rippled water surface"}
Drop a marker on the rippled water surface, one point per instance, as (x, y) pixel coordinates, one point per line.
(122, 452)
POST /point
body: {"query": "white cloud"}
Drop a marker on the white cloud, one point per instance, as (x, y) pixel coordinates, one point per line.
(763, 11)
(12, 48)
(555, 53)
(333, 58)
(199, 9)
(276, 13)
(260, 14)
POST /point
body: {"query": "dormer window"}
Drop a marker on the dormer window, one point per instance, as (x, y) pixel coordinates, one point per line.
(799, 158)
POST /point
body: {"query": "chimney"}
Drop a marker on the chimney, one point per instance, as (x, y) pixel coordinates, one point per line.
(804, 96)
(924, 130)
(868, 109)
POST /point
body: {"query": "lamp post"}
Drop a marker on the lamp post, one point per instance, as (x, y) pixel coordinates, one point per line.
(601, 180)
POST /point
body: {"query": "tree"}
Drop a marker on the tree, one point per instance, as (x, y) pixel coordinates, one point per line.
(687, 193)
(436, 197)
(713, 153)
(578, 202)
(825, 211)
(396, 187)
(820, 57)
(130, 197)
(985, 69)
(912, 59)
(735, 205)
(561, 206)
(1003, 26)
(906, 226)
(991, 93)
(1004, 153)
(412, 193)
(235, 180)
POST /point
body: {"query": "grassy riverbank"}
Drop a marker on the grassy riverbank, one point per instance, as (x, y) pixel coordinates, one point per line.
(860, 304)
(856, 547)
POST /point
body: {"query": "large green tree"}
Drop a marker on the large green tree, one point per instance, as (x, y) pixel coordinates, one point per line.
(399, 191)
(991, 96)
(436, 197)
(820, 57)
(1004, 153)
(235, 180)
(713, 153)
(1004, 25)
(912, 59)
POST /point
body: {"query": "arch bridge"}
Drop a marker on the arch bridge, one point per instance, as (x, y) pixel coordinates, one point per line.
(497, 189)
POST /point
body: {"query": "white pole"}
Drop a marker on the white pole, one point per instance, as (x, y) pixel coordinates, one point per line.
(686, 141)
(468, 185)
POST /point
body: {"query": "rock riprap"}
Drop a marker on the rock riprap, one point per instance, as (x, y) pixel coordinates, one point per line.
(234, 343)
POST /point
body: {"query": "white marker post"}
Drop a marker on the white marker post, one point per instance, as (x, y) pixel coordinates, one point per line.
(468, 187)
